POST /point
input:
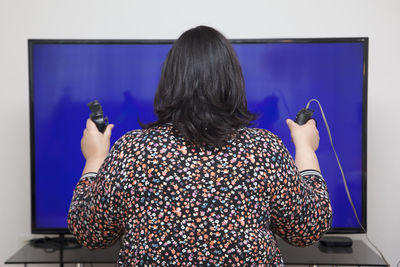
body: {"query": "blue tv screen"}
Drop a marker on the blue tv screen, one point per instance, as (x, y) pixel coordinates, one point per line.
(281, 76)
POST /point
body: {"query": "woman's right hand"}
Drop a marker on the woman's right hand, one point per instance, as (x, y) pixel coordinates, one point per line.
(95, 145)
(304, 136)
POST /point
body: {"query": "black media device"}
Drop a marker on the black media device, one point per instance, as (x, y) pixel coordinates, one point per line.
(97, 115)
(336, 241)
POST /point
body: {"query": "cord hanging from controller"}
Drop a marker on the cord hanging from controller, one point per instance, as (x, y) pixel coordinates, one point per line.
(302, 117)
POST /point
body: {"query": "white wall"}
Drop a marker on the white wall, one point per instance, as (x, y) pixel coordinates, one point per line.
(131, 19)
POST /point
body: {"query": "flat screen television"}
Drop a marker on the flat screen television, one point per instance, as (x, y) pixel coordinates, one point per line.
(281, 76)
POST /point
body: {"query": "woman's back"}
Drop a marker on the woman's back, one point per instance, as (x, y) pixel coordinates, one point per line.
(197, 187)
(178, 203)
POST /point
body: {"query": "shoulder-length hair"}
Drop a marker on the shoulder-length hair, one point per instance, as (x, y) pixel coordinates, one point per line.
(201, 90)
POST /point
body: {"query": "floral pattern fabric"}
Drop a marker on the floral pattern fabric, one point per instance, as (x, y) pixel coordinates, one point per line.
(176, 204)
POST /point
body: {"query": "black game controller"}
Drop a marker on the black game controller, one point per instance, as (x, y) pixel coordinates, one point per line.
(304, 115)
(97, 116)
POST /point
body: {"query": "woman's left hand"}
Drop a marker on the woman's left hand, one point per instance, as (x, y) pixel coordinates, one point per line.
(95, 145)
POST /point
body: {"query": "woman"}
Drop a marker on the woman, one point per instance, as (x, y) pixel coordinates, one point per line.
(197, 187)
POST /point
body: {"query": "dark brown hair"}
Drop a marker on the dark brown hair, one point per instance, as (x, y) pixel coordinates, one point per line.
(201, 89)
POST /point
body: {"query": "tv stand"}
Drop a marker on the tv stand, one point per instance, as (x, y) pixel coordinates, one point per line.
(357, 255)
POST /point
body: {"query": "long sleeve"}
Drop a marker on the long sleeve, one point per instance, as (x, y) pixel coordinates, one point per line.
(96, 211)
(300, 207)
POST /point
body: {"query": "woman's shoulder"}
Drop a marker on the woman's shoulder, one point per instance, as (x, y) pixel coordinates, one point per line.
(260, 134)
(261, 139)
(143, 136)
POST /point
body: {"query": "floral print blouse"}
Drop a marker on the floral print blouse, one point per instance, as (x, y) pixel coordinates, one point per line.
(172, 203)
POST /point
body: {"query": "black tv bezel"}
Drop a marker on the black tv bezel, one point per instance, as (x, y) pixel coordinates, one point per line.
(362, 40)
